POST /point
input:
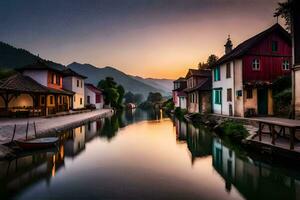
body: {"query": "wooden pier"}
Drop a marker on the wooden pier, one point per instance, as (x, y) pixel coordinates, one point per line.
(277, 132)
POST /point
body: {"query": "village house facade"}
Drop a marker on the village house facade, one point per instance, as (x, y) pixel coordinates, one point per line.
(198, 91)
(75, 83)
(93, 96)
(179, 97)
(243, 77)
(38, 90)
(296, 58)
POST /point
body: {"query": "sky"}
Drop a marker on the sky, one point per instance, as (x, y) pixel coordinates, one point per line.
(148, 38)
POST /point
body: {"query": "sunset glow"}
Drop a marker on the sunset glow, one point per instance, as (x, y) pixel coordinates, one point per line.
(156, 39)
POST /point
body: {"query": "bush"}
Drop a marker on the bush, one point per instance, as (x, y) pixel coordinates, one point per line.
(282, 94)
(281, 102)
(168, 106)
(233, 130)
(179, 113)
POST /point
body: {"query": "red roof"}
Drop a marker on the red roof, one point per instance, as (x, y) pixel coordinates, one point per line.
(93, 88)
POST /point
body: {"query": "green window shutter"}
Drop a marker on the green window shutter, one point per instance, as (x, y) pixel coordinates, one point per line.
(217, 74)
(217, 96)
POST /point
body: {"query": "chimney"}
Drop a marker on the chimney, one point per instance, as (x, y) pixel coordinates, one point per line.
(228, 45)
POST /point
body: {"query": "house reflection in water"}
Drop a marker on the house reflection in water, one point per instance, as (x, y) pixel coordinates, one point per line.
(75, 141)
(197, 139)
(18, 174)
(254, 180)
(181, 130)
(198, 142)
(92, 129)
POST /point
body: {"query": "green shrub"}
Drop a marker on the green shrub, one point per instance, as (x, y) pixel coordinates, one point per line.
(281, 102)
(179, 113)
(168, 106)
(233, 130)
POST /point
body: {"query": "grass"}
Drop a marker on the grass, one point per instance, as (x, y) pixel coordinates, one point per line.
(233, 130)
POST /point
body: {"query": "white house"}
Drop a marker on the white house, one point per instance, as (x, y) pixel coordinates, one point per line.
(179, 97)
(75, 82)
(93, 96)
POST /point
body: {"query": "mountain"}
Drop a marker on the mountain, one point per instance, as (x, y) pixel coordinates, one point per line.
(95, 74)
(164, 84)
(12, 58)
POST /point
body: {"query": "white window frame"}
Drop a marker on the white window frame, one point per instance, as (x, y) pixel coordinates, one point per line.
(285, 65)
(256, 64)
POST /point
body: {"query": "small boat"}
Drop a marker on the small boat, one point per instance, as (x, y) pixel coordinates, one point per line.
(37, 143)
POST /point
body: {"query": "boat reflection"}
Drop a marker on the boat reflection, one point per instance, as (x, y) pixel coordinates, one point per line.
(18, 174)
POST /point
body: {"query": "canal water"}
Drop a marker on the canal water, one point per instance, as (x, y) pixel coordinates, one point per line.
(144, 155)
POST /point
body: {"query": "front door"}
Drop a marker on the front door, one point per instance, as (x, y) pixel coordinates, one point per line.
(262, 101)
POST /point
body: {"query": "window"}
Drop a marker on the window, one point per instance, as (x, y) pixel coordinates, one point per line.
(249, 94)
(43, 100)
(58, 80)
(228, 70)
(77, 83)
(229, 94)
(218, 96)
(81, 83)
(274, 46)
(98, 98)
(88, 99)
(80, 101)
(51, 99)
(255, 64)
(217, 76)
(74, 98)
(285, 65)
(52, 79)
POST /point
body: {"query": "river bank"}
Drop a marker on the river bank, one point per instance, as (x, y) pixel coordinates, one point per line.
(46, 125)
(271, 150)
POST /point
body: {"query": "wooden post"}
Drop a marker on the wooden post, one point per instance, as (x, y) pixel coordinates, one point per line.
(34, 126)
(259, 130)
(292, 135)
(15, 127)
(27, 129)
(272, 128)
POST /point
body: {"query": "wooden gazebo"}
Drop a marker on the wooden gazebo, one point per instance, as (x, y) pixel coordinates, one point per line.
(19, 84)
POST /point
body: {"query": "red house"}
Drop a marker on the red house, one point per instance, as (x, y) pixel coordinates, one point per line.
(243, 77)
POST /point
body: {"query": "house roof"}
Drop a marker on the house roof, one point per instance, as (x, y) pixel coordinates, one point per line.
(21, 83)
(70, 72)
(93, 88)
(40, 65)
(198, 72)
(203, 85)
(181, 79)
(243, 48)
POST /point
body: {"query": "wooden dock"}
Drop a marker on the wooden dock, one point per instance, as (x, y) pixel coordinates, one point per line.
(279, 133)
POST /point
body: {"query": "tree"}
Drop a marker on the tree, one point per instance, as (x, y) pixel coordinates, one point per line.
(129, 97)
(212, 60)
(121, 92)
(154, 97)
(113, 93)
(202, 65)
(284, 10)
(138, 98)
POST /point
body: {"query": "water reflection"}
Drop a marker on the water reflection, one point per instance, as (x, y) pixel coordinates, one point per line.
(18, 174)
(189, 155)
(254, 179)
